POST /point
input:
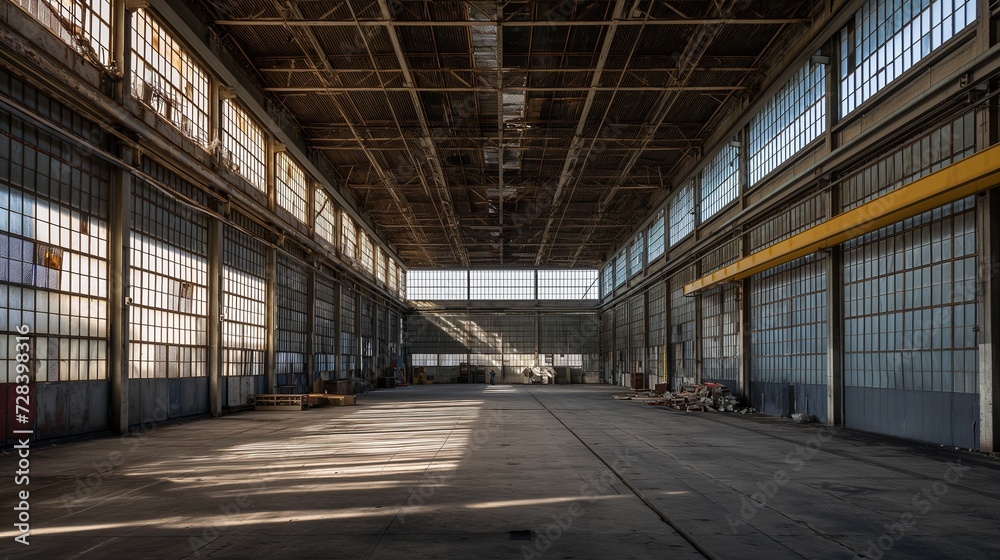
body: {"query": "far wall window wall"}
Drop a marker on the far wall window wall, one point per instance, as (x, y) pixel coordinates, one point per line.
(572, 284)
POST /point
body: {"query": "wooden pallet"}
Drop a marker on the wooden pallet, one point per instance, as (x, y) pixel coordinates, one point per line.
(280, 402)
(322, 399)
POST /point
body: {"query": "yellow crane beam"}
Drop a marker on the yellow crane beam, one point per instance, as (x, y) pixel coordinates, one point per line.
(973, 174)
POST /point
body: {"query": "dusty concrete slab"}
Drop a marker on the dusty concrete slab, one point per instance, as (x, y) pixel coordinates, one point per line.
(450, 471)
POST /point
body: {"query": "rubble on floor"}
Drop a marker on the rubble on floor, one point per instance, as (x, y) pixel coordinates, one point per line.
(698, 397)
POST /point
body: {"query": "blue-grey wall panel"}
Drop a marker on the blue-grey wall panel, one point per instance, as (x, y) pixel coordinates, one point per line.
(69, 408)
(785, 399)
(944, 418)
(156, 400)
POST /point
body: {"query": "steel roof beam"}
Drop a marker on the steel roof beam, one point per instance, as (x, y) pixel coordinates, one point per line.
(279, 22)
(582, 89)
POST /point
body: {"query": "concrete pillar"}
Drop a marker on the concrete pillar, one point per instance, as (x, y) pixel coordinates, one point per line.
(988, 290)
(987, 232)
(119, 248)
(215, 248)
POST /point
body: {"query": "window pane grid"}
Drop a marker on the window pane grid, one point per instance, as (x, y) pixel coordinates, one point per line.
(607, 280)
(53, 247)
(291, 187)
(169, 288)
(243, 143)
(326, 218)
(567, 284)
(325, 328)
(682, 214)
(437, 284)
(635, 254)
(167, 79)
(502, 284)
(655, 245)
(720, 181)
(90, 23)
(620, 273)
(367, 257)
(889, 37)
(243, 297)
(349, 238)
(790, 120)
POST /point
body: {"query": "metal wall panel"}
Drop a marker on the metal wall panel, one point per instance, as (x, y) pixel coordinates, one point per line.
(292, 299)
(53, 267)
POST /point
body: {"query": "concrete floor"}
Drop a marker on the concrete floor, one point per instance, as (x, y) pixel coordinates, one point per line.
(450, 471)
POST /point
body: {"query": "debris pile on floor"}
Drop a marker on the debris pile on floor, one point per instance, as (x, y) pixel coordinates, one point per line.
(698, 397)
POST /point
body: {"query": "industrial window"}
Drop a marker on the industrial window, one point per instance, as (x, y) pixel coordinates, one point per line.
(567, 284)
(910, 304)
(683, 336)
(326, 217)
(367, 333)
(437, 284)
(379, 265)
(243, 297)
(720, 183)
(635, 254)
(682, 213)
(349, 237)
(86, 26)
(325, 326)
(291, 345)
(790, 120)
(788, 322)
(402, 284)
(167, 79)
(348, 332)
(795, 219)
(243, 144)
(621, 338)
(169, 287)
(720, 335)
(620, 273)
(654, 238)
(607, 280)
(928, 153)
(889, 37)
(393, 274)
(367, 258)
(53, 246)
(424, 360)
(291, 187)
(502, 284)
